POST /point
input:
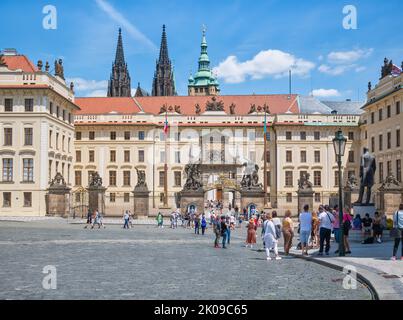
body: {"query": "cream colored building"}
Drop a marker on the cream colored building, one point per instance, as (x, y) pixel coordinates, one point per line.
(114, 136)
(382, 127)
(37, 134)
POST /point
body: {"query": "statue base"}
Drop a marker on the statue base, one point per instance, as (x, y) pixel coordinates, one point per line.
(140, 197)
(96, 199)
(251, 197)
(362, 209)
(192, 198)
(305, 197)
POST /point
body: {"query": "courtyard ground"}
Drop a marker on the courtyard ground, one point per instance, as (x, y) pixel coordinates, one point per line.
(149, 263)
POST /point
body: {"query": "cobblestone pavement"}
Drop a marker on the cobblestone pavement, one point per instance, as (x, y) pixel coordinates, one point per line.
(149, 263)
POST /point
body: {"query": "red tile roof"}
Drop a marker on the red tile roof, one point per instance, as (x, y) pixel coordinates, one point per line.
(278, 103)
(19, 62)
(101, 105)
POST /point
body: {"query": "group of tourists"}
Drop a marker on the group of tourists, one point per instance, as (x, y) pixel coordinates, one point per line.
(94, 218)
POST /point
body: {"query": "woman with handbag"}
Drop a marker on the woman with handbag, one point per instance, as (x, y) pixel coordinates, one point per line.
(397, 231)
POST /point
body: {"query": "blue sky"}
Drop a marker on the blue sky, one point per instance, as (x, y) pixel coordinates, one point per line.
(251, 44)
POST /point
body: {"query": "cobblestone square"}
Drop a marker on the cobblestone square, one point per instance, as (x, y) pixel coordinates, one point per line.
(149, 263)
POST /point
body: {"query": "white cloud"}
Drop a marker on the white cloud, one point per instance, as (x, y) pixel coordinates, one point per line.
(266, 63)
(325, 93)
(81, 84)
(121, 20)
(348, 57)
(339, 62)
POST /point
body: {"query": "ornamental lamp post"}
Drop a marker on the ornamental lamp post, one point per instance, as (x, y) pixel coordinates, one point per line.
(339, 144)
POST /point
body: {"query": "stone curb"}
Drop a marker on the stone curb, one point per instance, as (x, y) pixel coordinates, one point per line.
(362, 275)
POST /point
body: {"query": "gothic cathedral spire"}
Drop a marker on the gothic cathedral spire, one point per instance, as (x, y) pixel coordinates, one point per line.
(163, 82)
(119, 83)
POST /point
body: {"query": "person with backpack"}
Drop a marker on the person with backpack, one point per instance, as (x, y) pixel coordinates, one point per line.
(397, 231)
(347, 225)
(277, 223)
(326, 220)
(270, 238)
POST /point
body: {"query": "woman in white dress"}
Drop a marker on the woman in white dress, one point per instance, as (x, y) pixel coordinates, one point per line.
(270, 238)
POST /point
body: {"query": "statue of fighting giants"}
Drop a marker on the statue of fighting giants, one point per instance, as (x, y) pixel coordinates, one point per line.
(367, 173)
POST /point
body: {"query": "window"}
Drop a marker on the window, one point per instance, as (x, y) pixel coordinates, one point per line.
(68, 144)
(50, 170)
(380, 114)
(289, 197)
(380, 172)
(127, 135)
(177, 136)
(126, 197)
(388, 113)
(162, 136)
(251, 135)
(68, 173)
(162, 156)
(57, 141)
(372, 144)
(351, 156)
(162, 197)
(268, 156)
(288, 135)
(317, 178)
(27, 199)
(302, 135)
(113, 135)
(351, 135)
(57, 166)
(336, 178)
(317, 197)
(29, 105)
(177, 157)
(397, 107)
(64, 115)
(317, 156)
(372, 117)
(57, 111)
(78, 155)
(112, 178)
(6, 199)
(141, 135)
(288, 156)
(161, 178)
(8, 105)
(78, 197)
(51, 108)
(50, 138)
(365, 134)
(399, 170)
(178, 178)
(112, 156)
(70, 118)
(127, 155)
(126, 178)
(380, 142)
(63, 143)
(91, 135)
(78, 135)
(288, 179)
(28, 170)
(8, 169)
(112, 197)
(303, 156)
(91, 156)
(316, 135)
(141, 155)
(389, 140)
(388, 167)
(398, 138)
(8, 136)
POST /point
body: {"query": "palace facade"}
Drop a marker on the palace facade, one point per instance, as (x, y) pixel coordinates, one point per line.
(45, 129)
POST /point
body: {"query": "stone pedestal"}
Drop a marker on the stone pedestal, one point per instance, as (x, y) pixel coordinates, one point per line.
(96, 199)
(141, 201)
(362, 209)
(189, 198)
(58, 202)
(252, 197)
(305, 196)
(390, 199)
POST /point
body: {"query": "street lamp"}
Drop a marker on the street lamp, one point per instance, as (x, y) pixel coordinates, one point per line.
(339, 144)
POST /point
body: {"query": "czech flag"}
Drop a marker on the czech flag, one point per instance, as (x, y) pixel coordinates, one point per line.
(166, 124)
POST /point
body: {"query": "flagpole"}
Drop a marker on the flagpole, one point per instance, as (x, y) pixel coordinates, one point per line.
(166, 163)
(265, 158)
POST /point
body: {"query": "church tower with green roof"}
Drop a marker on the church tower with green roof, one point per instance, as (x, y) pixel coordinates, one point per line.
(203, 83)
